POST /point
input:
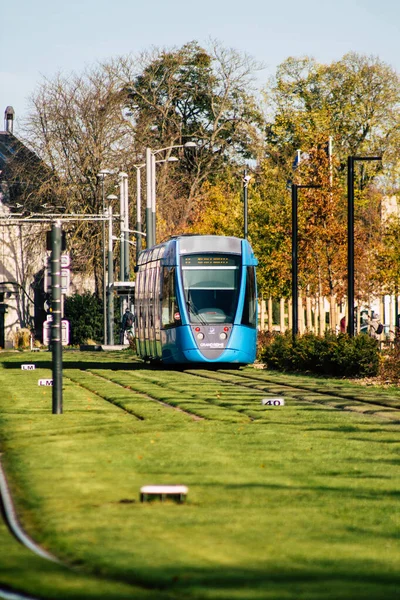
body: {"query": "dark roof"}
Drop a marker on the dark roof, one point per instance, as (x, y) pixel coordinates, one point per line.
(12, 147)
(16, 159)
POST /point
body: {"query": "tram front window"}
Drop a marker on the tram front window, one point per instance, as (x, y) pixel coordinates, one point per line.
(211, 284)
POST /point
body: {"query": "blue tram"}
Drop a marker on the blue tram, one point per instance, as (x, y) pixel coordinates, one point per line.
(196, 301)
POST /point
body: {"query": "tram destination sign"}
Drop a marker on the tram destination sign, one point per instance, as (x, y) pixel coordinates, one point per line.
(209, 260)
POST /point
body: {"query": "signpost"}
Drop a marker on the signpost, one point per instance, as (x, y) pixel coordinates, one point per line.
(56, 346)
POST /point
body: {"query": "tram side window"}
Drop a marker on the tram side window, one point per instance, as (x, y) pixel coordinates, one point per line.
(249, 316)
(169, 303)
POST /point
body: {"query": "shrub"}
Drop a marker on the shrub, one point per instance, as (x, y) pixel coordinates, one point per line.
(22, 339)
(389, 370)
(85, 315)
(334, 355)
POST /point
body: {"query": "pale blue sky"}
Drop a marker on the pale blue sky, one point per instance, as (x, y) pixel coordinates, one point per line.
(41, 37)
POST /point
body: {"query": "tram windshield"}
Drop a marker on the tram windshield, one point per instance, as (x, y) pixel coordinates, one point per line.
(211, 284)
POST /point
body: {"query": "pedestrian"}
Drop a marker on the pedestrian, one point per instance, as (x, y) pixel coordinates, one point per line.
(375, 326)
(126, 324)
(343, 325)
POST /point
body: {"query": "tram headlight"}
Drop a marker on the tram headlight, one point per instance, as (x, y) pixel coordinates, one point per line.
(200, 336)
(223, 335)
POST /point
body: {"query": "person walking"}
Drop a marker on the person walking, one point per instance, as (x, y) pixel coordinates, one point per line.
(126, 325)
(375, 326)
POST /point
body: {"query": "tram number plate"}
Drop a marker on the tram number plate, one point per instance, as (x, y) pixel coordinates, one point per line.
(273, 402)
(45, 382)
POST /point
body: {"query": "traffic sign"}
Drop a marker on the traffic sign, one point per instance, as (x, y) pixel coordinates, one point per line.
(65, 280)
(47, 331)
(65, 260)
(273, 402)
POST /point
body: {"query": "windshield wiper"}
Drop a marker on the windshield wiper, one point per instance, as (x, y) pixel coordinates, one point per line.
(194, 310)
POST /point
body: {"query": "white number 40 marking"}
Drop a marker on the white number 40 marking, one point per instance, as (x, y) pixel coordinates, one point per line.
(273, 401)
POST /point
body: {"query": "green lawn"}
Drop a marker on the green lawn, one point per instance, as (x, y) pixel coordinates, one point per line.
(293, 502)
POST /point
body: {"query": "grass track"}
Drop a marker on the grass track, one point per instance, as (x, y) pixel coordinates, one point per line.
(295, 502)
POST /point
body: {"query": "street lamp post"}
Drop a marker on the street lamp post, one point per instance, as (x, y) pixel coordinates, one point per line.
(246, 180)
(295, 291)
(151, 187)
(110, 286)
(149, 196)
(124, 226)
(138, 209)
(102, 175)
(350, 237)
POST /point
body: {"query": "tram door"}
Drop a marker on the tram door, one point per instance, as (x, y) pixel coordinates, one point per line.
(157, 311)
(151, 296)
(146, 311)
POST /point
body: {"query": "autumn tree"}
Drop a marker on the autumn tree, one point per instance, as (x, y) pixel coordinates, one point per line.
(354, 102)
(77, 128)
(218, 209)
(194, 94)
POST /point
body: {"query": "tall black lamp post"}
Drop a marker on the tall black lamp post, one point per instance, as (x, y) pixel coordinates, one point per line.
(295, 291)
(246, 180)
(350, 237)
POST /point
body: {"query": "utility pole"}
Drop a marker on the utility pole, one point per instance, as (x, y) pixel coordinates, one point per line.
(149, 198)
(246, 180)
(110, 271)
(126, 228)
(350, 237)
(295, 291)
(56, 345)
(122, 224)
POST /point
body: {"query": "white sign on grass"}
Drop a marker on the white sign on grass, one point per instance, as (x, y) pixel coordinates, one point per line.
(273, 402)
(45, 382)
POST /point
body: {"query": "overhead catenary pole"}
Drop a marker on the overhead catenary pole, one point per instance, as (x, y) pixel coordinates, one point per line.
(246, 179)
(151, 188)
(149, 195)
(153, 197)
(295, 291)
(350, 245)
(138, 213)
(103, 235)
(103, 174)
(56, 342)
(122, 224)
(126, 233)
(350, 237)
(110, 270)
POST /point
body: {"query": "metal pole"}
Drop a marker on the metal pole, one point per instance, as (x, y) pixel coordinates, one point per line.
(350, 245)
(104, 267)
(56, 346)
(350, 236)
(295, 293)
(149, 224)
(126, 227)
(153, 197)
(245, 187)
(110, 287)
(122, 225)
(138, 214)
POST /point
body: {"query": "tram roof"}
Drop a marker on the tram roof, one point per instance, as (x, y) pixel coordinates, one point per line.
(192, 244)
